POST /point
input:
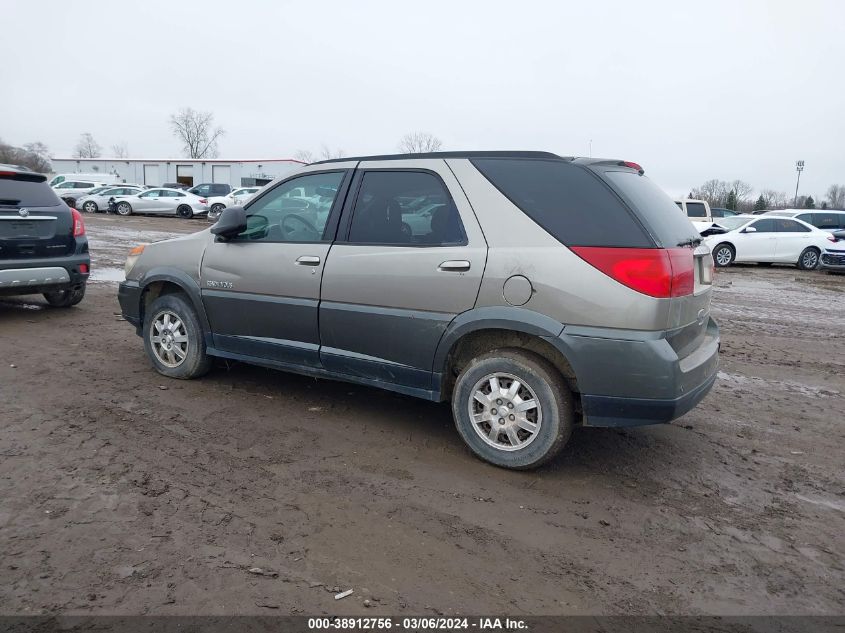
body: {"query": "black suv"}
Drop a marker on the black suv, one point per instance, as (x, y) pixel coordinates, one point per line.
(211, 189)
(43, 247)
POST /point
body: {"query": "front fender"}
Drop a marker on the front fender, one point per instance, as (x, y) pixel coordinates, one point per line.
(188, 285)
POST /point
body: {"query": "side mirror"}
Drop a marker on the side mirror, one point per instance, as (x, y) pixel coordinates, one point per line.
(749, 229)
(232, 221)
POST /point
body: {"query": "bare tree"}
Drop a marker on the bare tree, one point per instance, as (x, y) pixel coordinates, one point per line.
(33, 156)
(419, 143)
(775, 199)
(836, 197)
(305, 155)
(87, 147)
(741, 189)
(196, 131)
(327, 154)
(714, 191)
(120, 150)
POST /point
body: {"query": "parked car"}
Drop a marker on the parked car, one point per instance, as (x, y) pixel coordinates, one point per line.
(176, 185)
(43, 247)
(698, 211)
(236, 197)
(768, 240)
(97, 177)
(162, 201)
(833, 257)
(718, 212)
(72, 190)
(543, 292)
(98, 200)
(827, 220)
(211, 189)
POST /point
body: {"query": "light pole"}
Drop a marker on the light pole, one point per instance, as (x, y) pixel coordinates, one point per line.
(799, 167)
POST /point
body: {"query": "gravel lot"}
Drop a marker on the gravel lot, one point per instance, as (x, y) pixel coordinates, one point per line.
(125, 493)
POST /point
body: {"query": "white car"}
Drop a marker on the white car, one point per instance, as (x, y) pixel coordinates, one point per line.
(98, 199)
(767, 240)
(72, 190)
(825, 219)
(108, 179)
(161, 201)
(236, 197)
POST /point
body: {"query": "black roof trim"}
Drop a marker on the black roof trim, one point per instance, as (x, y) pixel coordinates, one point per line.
(476, 154)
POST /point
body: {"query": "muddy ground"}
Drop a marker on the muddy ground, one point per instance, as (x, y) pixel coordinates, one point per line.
(124, 492)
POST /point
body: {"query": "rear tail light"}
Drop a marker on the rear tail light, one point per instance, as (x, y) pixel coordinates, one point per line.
(832, 238)
(78, 224)
(203, 201)
(83, 268)
(655, 272)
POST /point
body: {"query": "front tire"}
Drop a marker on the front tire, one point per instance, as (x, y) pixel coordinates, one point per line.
(90, 207)
(724, 255)
(124, 208)
(809, 258)
(173, 338)
(65, 298)
(216, 210)
(185, 212)
(513, 409)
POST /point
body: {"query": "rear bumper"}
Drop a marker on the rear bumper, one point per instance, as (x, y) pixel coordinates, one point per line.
(33, 276)
(129, 297)
(639, 379)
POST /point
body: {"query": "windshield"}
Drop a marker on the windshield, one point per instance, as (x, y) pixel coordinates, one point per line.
(733, 223)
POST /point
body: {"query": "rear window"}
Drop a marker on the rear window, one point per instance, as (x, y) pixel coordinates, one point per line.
(568, 201)
(696, 210)
(656, 210)
(23, 193)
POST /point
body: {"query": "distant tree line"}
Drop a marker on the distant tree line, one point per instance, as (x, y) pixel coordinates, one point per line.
(736, 195)
(34, 156)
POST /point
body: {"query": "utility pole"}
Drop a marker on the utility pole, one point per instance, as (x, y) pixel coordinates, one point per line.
(799, 167)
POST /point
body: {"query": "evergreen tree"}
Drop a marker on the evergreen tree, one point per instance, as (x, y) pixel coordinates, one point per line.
(731, 202)
(810, 203)
(760, 205)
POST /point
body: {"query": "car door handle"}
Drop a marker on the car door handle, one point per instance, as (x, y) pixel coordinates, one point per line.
(308, 260)
(454, 266)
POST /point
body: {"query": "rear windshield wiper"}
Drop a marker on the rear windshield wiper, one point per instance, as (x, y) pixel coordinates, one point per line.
(692, 241)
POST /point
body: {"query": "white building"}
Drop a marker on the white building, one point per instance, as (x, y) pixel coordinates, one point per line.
(156, 172)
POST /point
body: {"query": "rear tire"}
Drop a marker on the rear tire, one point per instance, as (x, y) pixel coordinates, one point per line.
(724, 255)
(65, 298)
(185, 212)
(809, 258)
(124, 208)
(173, 338)
(496, 424)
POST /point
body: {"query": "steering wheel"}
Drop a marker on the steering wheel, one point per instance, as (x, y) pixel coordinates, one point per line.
(303, 221)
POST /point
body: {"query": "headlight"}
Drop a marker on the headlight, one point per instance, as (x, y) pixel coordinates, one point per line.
(133, 256)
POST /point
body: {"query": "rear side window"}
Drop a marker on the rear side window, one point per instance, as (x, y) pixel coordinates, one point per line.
(569, 202)
(26, 193)
(828, 221)
(654, 208)
(696, 210)
(791, 226)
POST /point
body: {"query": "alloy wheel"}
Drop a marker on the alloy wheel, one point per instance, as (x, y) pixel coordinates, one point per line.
(169, 338)
(505, 412)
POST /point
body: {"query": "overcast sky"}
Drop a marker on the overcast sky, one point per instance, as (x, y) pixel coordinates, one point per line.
(691, 91)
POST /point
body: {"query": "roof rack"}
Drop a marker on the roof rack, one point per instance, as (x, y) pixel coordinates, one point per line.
(471, 154)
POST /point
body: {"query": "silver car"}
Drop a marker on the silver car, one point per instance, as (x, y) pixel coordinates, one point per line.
(162, 201)
(98, 199)
(534, 293)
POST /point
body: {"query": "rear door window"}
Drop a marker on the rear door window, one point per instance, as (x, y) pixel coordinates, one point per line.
(397, 208)
(26, 193)
(790, 226)
(570, 202)
(827, 221)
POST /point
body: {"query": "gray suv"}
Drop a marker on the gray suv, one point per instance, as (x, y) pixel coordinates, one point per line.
(535, 293)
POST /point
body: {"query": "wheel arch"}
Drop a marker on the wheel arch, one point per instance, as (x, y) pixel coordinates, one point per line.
(158, 282)
(485, 329)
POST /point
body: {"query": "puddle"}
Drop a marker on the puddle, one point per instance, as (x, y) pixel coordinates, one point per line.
(22, 306)
(107, 274)
(737, 381)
